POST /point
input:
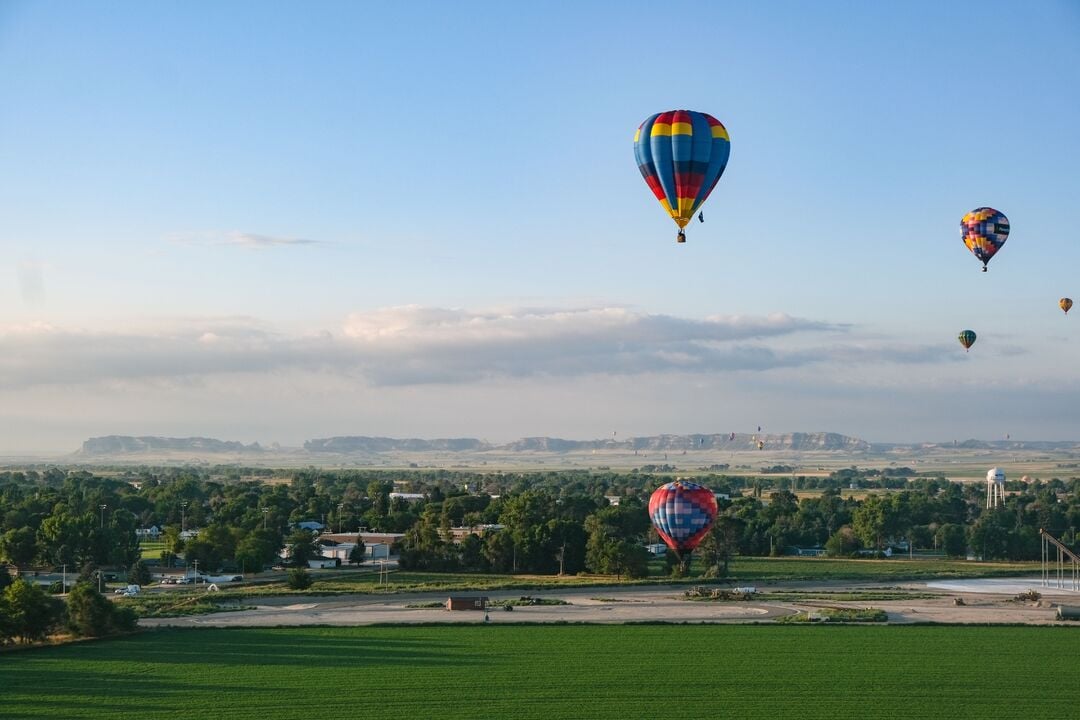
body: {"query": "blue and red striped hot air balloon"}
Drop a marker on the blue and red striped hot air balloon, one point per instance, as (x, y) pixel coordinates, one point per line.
(682, 513)
(681, 154)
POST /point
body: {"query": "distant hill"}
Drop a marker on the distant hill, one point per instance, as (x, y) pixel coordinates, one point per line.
(122, 445)
(364, 444)
(128, 445)
(653, 443)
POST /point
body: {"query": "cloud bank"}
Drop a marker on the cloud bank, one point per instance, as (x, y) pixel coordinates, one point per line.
(413, 345)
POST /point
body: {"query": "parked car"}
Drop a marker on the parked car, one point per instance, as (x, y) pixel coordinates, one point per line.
(184, 581)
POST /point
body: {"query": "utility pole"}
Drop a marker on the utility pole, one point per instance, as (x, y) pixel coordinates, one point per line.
(340, 507)
(196, 562)
(63, 583)
(183, 517)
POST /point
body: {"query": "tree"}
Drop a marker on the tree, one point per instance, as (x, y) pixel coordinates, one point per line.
(257, 550)
(18, 546)
(139, 574)
(843, 543)
(301, 547)
(953, 539)
(359, 552)
(31, 612)
(719, 545)
(871, 521)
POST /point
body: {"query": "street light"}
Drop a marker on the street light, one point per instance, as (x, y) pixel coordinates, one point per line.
(103, 515)
(339, 509)
(265, 511)
(183, 518)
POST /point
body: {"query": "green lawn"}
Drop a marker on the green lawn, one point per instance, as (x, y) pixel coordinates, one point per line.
(151, 549)
(551, 672)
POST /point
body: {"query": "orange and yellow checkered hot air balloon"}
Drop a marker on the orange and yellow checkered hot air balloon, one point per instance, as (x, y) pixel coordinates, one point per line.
(681, 154)
(1065, 304)
(984, 231)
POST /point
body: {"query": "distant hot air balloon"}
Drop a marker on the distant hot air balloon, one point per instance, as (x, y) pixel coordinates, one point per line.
(681, 154)
(966, 338)
(984, 231)
(1065, 304)
(732, 437)
(760, 444)
(682, 513)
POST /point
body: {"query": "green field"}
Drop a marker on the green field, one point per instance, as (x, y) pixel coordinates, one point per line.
(551, 672)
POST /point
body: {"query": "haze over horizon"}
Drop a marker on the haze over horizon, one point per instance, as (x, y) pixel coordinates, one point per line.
(275, 223)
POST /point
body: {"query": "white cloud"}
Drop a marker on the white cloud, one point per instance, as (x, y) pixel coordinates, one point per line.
(236, 238)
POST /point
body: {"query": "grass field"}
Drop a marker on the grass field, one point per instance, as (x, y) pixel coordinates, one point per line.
(742, 570)
(552, 672)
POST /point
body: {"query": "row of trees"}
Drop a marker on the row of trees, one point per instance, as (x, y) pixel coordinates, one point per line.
(552, 521)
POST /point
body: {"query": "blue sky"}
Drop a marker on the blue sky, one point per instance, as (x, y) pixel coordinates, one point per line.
(275, 221)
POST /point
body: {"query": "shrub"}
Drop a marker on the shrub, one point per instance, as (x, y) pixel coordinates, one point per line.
(299, 579)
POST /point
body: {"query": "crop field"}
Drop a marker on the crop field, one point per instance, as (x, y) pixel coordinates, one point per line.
(552, 672)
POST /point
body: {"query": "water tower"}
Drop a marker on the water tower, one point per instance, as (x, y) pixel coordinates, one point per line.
(995, 487)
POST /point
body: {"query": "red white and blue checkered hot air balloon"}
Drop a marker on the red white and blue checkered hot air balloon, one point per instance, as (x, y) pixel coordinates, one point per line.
(682, 513)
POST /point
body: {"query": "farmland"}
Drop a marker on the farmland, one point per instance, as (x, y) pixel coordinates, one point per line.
(566, 671)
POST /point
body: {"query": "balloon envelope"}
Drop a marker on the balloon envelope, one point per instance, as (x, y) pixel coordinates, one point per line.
(1066, 304)
(984, 231)
(681, 154)
(682, 513)
(966, 338)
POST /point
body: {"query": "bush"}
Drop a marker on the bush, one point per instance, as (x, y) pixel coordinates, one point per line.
(299, 579)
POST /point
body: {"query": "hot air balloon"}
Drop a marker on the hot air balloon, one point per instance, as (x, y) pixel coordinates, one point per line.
(760, 444)
(682, 513)
(732, 436)
(681, 154)
(966, 338)
(984, 232)
(1066, 304)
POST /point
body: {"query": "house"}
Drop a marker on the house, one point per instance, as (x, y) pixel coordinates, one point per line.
(806, 552)
(460, 533)
(189, 534)
(407, 497)
(657, 549)
(311, 525)
(151, 533)
(467, 602)
(322, 563)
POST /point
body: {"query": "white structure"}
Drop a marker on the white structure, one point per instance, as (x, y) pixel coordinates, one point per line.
(995, 487)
